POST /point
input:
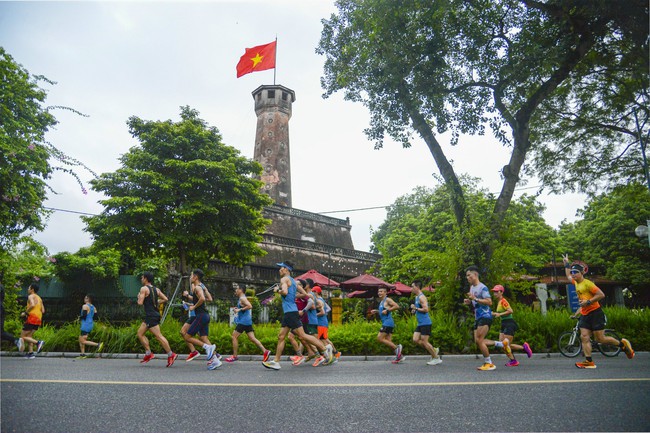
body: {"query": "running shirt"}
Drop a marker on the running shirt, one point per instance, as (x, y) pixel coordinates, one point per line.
(502, 306)
(150, 303)
(322, 320)
(481, 311)
(88, 322)
(386, 319)
(312, 313)
(301, 303)
(289, 301)
(423, 318)
(35, 314)
(243, 317)
(586, 290)
(201, 308)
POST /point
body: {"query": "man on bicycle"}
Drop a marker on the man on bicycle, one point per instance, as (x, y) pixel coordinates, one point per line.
(592, 319)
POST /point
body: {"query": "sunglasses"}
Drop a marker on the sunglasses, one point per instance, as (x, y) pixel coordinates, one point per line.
(574, 272)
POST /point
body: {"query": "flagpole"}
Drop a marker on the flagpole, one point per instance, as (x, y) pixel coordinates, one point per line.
(276, 58)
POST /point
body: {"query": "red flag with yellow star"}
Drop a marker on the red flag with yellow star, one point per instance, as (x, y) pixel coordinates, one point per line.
(256, 59)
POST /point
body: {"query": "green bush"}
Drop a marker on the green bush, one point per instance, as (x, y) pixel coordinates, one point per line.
(357, 337)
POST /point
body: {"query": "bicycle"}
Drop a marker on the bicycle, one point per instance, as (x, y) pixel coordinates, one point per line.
(570, 344)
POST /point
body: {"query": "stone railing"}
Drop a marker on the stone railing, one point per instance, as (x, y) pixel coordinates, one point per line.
(327, 249)
(309, 215)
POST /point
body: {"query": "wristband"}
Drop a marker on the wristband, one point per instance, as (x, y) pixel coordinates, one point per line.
(567, 265)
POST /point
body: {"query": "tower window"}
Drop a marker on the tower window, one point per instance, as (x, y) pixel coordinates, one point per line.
(271, 94)
(284, 96)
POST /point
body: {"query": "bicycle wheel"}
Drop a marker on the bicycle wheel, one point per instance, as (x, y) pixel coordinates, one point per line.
(609, 349)
(569, 344)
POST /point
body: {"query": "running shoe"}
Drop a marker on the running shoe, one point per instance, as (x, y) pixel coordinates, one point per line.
(398, 359)
(146, 358)
(310, 357)
(585, 364)
(20, 344)
(436, 351)
(214, 363)
(40, 345)
(31, 355)
(231, 359)
(329, 356)
(506, 348)
(192, 355)
(318, 361)
(171, 358)
(218, 355)
(512, 363)
(398, 351)
(298, 360)
(486, 367)
(210, 351)
(100, 347)
(627, 348)
(528, 350)
(337, 355)
(271, 365)
(82, 357)
(435, 361)
(266, 356)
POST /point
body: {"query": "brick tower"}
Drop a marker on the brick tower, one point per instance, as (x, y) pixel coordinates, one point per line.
(273, 109)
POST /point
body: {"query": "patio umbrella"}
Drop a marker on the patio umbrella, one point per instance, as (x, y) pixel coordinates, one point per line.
(319, 279)
(364, 282)
(360, 294)
(402, 289)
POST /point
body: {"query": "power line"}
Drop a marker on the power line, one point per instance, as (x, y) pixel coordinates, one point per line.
(69, 211)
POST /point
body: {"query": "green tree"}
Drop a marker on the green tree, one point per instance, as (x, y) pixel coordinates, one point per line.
(80, 271)
(183, 194)
(460, 66)
(27, 159)
(419, 240)
(604, 237)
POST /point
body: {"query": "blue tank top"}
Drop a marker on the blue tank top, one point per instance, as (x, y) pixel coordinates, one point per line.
(243, 317)
(289, 301)
(88, 322)
(322, 320)
(423, 318)
(312, 314)
(386, 319)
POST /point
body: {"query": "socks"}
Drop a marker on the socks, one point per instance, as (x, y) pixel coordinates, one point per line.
(488, 360)
(498, 344)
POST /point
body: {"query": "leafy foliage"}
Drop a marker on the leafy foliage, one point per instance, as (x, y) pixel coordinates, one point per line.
(183, 194)
(27, 159)
(604, 237)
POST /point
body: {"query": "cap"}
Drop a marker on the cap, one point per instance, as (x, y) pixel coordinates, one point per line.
(284, 265)
(498, 288)
(316, 290)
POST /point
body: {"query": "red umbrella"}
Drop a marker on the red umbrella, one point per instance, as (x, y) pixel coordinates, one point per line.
(319, 279)
(360, 294)
(402, 289)
(364, 282)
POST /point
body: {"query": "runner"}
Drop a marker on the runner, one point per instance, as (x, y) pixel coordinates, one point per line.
(323, 325)
(201, 323)
(33, 320)
(188, 301)
(291, 320)
(307, 311)
(149, 297)
(479, 297)
(244, 323)
(385, 309)
(6, 336)
(508, 326)
(88, 316)
(423, 330)
(592, 317)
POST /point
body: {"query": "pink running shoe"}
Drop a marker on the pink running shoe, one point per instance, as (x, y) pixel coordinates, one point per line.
(528, 350)
(512, 363)
(231, 359)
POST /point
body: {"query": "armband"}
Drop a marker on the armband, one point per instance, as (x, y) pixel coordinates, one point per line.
(567, 265)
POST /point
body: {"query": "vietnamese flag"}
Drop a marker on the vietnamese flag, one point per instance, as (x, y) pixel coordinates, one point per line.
(256, 59)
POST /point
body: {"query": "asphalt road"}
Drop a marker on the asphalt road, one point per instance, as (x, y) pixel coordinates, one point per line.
(120, 395)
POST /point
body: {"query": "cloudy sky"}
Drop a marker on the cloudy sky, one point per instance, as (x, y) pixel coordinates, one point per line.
(113, 60)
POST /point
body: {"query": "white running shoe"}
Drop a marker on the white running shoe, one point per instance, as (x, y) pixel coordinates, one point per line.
(210, 351)
(214, 363)
(271, 364)
(434, 361)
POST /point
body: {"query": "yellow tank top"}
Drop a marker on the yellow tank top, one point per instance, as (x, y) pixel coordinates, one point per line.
(35, 314)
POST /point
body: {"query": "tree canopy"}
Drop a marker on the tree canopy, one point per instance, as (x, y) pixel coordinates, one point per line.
(463, 66)
(27, 159)
(605, 238)
(183, 194)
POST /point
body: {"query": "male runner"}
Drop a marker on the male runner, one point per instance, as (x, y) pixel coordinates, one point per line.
(592, 317)
(385, 309)
(149, 297)
(291, 320)
(244, 324)
(201, 322)
(323, 325)
(34, 319)
(307, 311)
(423, 330)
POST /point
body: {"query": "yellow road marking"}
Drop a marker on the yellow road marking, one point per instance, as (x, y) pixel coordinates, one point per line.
(322, 385)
